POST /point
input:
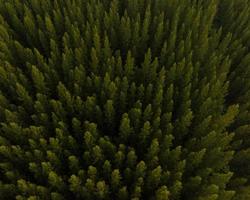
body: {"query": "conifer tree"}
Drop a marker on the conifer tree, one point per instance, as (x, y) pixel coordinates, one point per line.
(125, 99)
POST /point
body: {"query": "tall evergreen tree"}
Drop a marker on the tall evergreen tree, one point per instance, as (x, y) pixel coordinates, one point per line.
(125, 99)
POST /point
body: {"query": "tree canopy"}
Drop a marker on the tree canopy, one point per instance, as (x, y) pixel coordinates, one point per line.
(125, 99)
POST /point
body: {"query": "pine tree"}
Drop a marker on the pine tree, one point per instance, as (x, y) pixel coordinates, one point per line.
(125, 100)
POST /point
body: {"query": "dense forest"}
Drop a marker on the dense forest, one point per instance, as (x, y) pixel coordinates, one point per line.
(125, 99)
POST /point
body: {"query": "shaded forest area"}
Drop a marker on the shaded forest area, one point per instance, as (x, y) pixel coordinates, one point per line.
(125, 99)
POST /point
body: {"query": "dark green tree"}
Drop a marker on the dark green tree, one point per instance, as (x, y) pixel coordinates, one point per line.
(125, 99)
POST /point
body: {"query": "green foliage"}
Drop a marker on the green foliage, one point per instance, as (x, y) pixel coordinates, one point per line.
(125, 99)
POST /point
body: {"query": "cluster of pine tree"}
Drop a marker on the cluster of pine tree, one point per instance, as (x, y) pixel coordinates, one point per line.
(125, 99)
